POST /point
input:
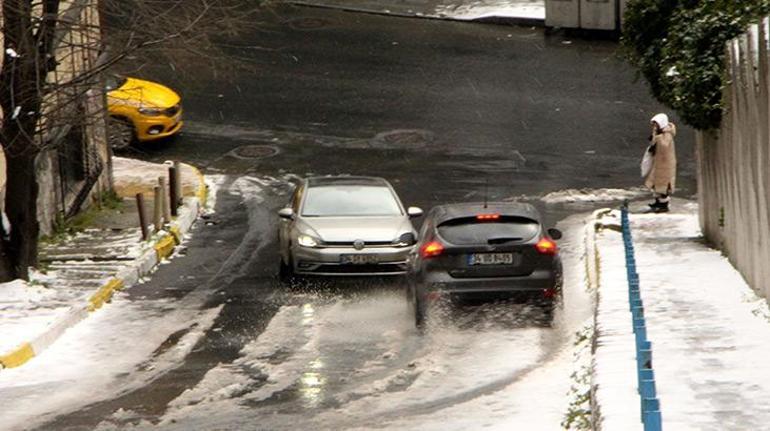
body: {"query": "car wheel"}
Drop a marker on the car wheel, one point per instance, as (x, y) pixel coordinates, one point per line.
(420, 310)
(285, 270)
(409, 292)
(120, 133)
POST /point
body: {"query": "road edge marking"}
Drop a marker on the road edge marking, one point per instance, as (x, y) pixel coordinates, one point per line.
(18, 356)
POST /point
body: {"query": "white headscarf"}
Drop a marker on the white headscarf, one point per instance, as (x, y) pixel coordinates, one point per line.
(661, 120)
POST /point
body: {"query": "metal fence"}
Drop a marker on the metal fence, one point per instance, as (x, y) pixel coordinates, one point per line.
(650, 404)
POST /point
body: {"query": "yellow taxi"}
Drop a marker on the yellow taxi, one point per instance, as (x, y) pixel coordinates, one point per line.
(141, 110)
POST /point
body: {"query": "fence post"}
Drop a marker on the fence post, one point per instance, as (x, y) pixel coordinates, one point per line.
(142, 221)
(164, 198)
(172, 191)
(178, 178)
(157, 210)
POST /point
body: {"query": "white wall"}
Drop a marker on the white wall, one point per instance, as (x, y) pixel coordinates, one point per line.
(734, 163)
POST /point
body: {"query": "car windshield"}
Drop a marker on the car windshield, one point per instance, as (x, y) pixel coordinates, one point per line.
(113, 82)
(469, 230)
(331, 201)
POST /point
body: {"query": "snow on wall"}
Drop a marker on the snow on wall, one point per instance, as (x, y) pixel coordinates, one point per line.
(734, 163)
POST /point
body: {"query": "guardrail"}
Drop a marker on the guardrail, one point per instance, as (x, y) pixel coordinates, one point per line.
(650, 404)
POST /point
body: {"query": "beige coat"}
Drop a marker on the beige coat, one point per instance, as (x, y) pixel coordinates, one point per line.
(662, 176)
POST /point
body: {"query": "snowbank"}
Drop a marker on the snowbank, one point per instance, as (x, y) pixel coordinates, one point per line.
(22, 312)
(134, 176)
(594, 195)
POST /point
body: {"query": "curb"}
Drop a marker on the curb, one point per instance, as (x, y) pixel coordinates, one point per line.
(612, 362)
(492, 19)
(163, 248)
(593, 279)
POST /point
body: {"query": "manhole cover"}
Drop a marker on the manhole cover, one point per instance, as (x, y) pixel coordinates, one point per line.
(405, 139)
(254, 151)
(309, 23)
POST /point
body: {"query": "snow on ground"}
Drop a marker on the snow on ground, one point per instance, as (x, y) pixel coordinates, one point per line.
(89, 363)
(465, 10)
(21, 318)
(134, 176)
(478, 9)
(594, 195)
(710, 334)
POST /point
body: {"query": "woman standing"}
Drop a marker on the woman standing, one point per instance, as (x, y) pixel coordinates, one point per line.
(661, 178)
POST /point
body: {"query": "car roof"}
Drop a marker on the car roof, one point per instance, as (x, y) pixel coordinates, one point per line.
(347, 181)
(443, 213)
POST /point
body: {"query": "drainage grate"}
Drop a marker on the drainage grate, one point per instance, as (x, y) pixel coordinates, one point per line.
(309, 23)
(404, 139)
(254, 152)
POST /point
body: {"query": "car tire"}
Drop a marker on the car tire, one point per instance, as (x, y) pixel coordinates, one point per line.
(120, 133)
(285, 270)
(420, 310)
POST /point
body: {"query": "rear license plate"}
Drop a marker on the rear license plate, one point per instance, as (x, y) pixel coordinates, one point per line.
(358, 259)
(491, 259)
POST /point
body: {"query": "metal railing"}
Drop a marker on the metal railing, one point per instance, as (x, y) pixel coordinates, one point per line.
(650, 404)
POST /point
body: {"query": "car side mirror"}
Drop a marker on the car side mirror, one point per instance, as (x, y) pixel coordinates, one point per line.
(408, 238)
(414, 212)
(554, 233)
(286, 213)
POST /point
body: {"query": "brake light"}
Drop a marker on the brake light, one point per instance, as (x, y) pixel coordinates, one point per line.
(432, 249)
(547, 246)
(488, 217)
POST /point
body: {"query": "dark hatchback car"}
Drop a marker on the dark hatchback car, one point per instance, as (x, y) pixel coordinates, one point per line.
(484, 251)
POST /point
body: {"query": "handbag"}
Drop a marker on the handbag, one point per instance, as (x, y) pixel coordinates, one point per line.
(647, 160)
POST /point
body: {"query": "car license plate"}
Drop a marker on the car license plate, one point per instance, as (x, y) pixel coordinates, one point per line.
(491, 259)
(358, 259)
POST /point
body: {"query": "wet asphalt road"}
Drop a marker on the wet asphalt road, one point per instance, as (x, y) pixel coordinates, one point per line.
(439, 108)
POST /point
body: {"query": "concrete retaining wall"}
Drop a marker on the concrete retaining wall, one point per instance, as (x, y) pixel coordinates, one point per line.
(734, 163)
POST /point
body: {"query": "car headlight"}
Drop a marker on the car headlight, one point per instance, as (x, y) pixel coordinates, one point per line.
(150, 112)
(405, 240)
(308, 241)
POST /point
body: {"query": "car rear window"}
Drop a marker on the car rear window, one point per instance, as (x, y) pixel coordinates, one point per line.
(343, 201)
(469, 230)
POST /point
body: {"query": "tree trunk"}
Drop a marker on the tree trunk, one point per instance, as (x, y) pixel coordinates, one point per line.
(19, 252)
(27, 52)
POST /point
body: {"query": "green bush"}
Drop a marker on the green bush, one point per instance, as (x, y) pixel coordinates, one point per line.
(679, 47)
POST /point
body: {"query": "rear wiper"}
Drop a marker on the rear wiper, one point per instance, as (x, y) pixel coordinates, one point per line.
(503, 240)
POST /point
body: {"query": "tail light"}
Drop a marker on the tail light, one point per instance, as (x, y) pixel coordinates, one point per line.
(487, 217)
(547, 246)
(431, 249)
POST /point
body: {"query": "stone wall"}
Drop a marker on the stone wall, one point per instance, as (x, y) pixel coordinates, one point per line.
(80, 106)
(734, 163)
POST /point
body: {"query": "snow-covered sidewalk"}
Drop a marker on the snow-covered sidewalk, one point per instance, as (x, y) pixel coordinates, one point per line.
(709, 331)
(514, 11)
(82, 271)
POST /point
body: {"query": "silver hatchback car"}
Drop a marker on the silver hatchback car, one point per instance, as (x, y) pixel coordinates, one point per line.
(345, 225)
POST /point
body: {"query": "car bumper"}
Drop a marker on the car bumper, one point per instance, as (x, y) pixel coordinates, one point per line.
(537, 283)
(328, 261)
(153, 128)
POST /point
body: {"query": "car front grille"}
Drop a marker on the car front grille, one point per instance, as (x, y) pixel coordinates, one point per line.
(361, 269)
(349, 244)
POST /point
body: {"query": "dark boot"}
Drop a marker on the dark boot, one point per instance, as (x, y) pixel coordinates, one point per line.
(660, 207)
